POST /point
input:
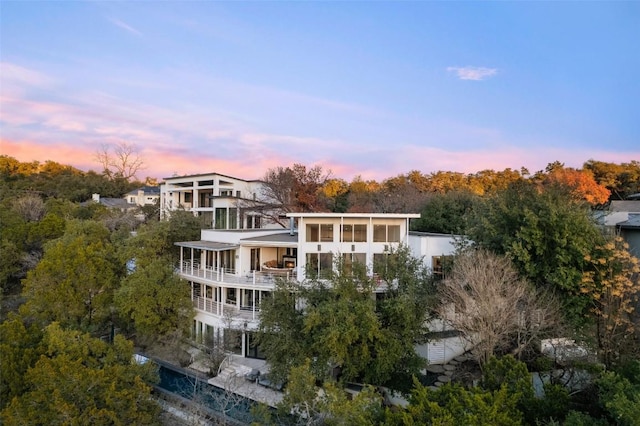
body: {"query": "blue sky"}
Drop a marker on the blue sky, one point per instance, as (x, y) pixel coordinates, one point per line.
(362, 88)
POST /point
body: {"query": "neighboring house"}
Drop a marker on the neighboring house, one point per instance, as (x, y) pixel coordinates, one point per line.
(111, 203)
(231, 272)
(144, 196)
(623, 217)
(222, 201)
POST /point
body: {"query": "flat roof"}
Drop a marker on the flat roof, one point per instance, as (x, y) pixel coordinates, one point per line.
(359, 215)
(284, 237)
(209, 174)
(207, 245)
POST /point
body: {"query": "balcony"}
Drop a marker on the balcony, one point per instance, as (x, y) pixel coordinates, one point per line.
(225, 309)
(193, 271)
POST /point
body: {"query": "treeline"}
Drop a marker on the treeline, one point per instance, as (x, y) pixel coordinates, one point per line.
(314, 189)
(54, 180)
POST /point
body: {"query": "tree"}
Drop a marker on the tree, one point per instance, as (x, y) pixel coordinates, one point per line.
(445, 213)
(487, 301)
(20, 348)
(291, 189)
(454, 405)
(334, 194)
(581, 185)
(337, 323)
(546, 234)
(119, 161)
(620, 395)
(621, 179)
(305, 403)
(156, 300)
(157, 239)
(362, 195)
(75, 280)
(403, 193)
(612, 284)
(83, 380)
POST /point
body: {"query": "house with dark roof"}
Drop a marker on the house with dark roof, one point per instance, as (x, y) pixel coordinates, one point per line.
(623, 217)
(144, 196)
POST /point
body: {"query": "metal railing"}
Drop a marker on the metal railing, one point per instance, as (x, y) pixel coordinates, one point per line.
(229, 275)
(222, 309)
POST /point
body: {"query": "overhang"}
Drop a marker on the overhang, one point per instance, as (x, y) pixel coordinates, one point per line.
(207, 245)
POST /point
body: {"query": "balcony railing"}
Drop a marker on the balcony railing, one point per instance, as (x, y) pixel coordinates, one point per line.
(228, 275)
(225, 309)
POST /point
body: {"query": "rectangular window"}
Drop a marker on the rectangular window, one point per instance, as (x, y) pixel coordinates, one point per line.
(231, 296)
(349, 259)
(326, 233)
(359, 233)
(379, 233)
(393, 233)
(311, 267)
(221, 218)
(326, 265)
(319, 265)
(347, 233)
(233, 218)
(187, 197)
(313, 233)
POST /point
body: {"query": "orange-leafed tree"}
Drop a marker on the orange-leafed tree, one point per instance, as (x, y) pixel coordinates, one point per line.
(613, 283)
(580, 183)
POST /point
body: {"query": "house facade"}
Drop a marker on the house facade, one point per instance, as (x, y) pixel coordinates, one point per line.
(231, 271)
(223, 202)
(144, 196)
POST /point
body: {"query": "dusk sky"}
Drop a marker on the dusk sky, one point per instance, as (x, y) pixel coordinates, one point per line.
(374, 89)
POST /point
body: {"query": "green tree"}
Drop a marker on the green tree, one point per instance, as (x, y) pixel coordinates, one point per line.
(547, 234)
(454, 405)
(445, 213)
(20, 348)
(83, 380)
(620, 396)
(156, 239)
(156, 300)
(338, 323)
(75, 280)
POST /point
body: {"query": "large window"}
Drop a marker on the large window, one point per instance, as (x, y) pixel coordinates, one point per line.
(233, 218)
(351, 259)
(354, 233)
(386, 233)
(317, 233)
(221, 218)
(326, 233)
(313, 232)
(319, 265)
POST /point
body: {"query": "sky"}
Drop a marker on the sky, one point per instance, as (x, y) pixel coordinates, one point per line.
(361, 88)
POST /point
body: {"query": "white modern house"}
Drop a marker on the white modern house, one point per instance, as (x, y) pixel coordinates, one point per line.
(224, 202)
(231, 271)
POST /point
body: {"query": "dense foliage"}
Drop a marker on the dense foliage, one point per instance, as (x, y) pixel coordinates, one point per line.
(79, 273)
(339, 323)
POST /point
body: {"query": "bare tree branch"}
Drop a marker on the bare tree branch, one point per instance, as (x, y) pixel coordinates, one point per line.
(119, 161)
(493, 306)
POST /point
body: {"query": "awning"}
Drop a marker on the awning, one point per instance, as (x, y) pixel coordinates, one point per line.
(207, 245)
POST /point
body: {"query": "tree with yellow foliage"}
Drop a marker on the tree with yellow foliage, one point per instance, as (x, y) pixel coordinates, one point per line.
(613, 283)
